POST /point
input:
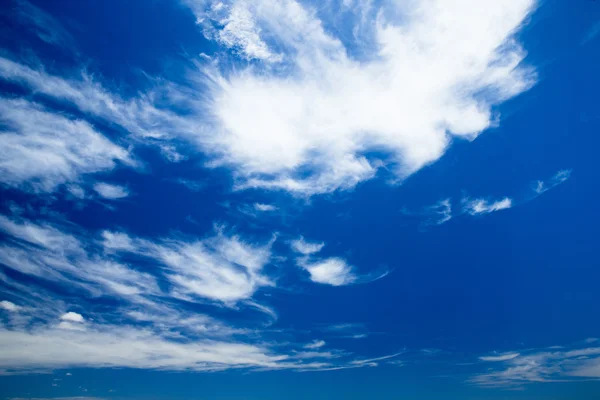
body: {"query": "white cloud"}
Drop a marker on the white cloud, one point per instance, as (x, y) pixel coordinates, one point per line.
(110, 191)
(422, 86)
(9, 306)
(483, 206)
(222, 268)
(236, 28)
(442, 212)
(139, 116)
(315, 345)
(46, 252)
(558, 178)
(556, 364)
(302, 246)
(48, 347)
(72, 317)
(502, 357)
(42, 150)
(314, 122)
(331, 271)
(264, 207)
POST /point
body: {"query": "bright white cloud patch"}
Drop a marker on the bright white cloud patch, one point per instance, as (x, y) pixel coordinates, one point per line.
(302, 246)
(72, 317)
(41, 150)
(436, 70)
(315, 345)
(236, 28)
(483, 206)
(111, 192)
(9, 306)
(222, 268)
(331, 271)
(503, 357)
(264, 207)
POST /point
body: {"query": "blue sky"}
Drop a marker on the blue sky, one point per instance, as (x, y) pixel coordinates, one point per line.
(298, 199)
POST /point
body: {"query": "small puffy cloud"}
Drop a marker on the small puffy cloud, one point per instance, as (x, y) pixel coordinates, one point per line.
(315, 344)
(264, 207)
(72, 317)
(9, 306)
(307, 248)
(117, 241)
(110, 191)
(498, 358)
(483, 206)
(330, 271)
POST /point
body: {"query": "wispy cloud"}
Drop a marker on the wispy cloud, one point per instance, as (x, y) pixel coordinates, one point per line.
(544, 365)
(315, 345)
(484, 206)
(222, 268)
(46, 27)
(234, 26)
(42, 149)
(558, 178)
(592, 33)
(443, 210)
(501, 357)
(147, 330)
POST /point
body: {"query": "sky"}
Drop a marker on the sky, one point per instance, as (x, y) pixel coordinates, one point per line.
(299, 199)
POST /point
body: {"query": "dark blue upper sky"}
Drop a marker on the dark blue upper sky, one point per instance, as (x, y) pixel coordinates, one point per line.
(298, 199)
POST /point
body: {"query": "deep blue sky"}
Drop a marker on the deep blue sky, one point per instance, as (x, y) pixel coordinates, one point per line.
(281, 199)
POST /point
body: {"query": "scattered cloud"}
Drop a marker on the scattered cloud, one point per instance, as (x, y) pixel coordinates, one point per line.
(307, 248)
(72, 317)
(110, 191)
(222, 268)
(46, 252)
(315, 344)
(441, 212)
(502, 357)
(483, 206)
(331, 271)
(555, 364)
(264, 207)
(147, 330)
(42, 149)
(9, 306)
(558, 178)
